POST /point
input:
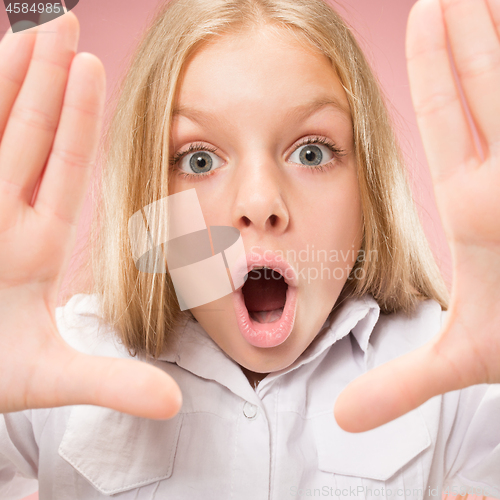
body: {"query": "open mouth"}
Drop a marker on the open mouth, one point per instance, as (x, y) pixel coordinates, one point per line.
(265, 306)
(264, 293)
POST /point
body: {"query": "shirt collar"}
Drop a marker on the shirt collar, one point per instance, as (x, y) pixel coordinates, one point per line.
(356, 315)
(192, 349)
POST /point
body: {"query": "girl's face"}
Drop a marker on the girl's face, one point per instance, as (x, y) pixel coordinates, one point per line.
(274, 158)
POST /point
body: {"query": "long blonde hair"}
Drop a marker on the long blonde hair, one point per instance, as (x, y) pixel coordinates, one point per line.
(143, 307)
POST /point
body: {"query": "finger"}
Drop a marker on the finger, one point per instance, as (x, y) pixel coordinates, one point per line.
(63, 186)
(129, 386)
(393, 389)
(476, 50)
(494, 8)
(441, 118)
(15, 56)
(35, 114)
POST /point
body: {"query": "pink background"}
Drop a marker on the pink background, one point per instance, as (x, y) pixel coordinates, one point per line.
(109, 29)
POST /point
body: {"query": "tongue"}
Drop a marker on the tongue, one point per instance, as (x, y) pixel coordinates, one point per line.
(266, 316)
(265, 295)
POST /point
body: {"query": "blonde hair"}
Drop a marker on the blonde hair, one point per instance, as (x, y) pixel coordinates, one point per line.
(143, 307)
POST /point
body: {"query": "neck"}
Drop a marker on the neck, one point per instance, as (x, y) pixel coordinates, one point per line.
(253, 377)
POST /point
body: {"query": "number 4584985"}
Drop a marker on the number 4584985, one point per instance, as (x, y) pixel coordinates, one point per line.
(17, 8)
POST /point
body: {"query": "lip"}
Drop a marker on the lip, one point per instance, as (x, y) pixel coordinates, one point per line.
(270, 259)
(267, 334)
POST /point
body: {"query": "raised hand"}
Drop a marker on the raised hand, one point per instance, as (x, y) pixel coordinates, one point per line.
(466, 179)
(50, 119)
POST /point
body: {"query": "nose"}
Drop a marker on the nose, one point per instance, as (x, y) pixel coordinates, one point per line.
(260, 198)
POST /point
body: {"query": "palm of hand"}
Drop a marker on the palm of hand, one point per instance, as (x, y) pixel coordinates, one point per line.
(466, 177)
(50, 112)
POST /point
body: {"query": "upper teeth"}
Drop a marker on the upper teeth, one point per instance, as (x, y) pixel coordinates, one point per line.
(260, 267)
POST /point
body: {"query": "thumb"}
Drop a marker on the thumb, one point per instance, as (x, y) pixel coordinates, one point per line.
(126, 385)
(394, 388)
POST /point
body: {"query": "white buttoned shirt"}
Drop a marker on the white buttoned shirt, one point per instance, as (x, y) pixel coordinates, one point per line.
(276, 442)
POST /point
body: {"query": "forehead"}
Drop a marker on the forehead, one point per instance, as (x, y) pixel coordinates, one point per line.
(265, 68)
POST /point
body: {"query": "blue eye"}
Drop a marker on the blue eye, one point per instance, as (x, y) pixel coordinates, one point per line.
(311, 155)
(197, 160)
(200, 162)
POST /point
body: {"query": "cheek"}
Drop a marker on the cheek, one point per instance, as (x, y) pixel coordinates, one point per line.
(331, 233)
(207, 190)
(346, 218)
(334, 215)
(175, 184)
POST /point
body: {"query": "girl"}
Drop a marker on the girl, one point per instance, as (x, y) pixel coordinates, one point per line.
(269, 111)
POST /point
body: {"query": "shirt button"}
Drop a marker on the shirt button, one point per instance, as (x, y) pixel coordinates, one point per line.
(249, 410)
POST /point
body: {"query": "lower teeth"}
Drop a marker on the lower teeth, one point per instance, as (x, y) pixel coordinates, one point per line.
(266, 316)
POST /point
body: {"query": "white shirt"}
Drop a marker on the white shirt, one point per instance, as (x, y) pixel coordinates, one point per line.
(279, 441)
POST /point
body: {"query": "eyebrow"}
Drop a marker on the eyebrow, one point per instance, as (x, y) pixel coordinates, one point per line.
(297, 113)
